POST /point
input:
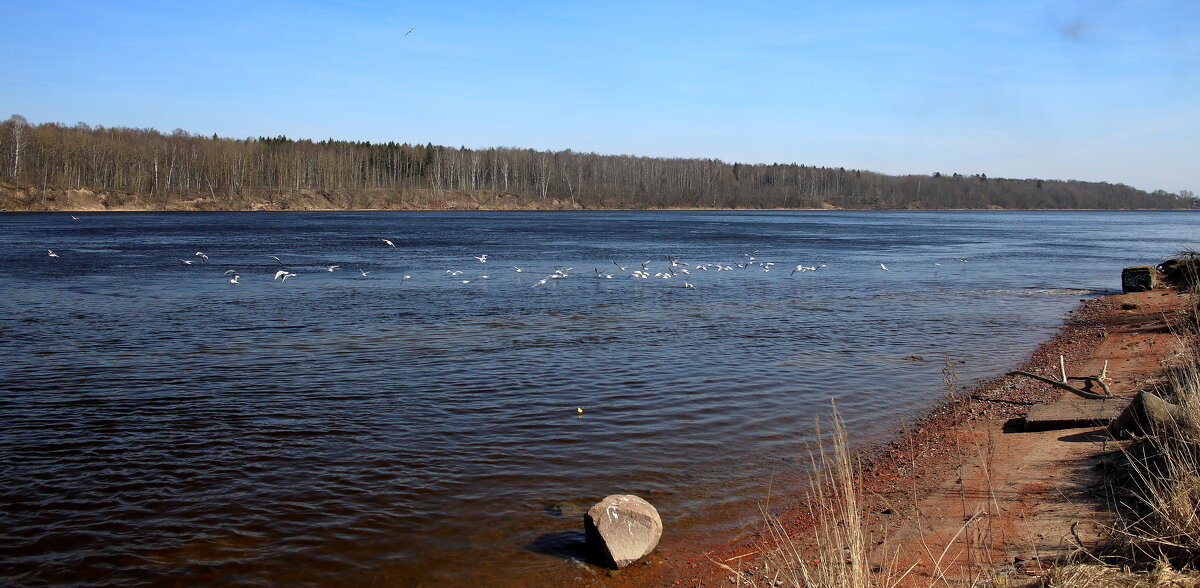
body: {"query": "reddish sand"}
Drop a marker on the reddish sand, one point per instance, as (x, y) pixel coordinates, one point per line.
(966, 492)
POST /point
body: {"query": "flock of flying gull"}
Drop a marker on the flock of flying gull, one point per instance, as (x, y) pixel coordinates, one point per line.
(674, 268)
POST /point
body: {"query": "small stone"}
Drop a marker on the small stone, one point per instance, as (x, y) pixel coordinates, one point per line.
(621, 529)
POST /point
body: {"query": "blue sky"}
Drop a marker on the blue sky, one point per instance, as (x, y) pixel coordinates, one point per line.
(1089, 90)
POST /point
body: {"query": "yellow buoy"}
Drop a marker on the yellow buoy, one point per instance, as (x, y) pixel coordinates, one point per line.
(579, 410)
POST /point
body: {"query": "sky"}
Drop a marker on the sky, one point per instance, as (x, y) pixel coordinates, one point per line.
(1093, 90)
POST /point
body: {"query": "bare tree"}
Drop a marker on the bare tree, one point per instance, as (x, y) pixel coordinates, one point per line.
(17, 139)
(543, 173)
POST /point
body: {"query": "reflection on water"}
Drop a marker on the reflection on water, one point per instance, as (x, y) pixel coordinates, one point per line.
(160, 424)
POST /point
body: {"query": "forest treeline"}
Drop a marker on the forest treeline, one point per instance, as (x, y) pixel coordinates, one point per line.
(144, 168)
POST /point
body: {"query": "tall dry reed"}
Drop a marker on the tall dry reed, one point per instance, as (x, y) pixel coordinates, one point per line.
(835, 554)
(1158, 502)
(1157, 490)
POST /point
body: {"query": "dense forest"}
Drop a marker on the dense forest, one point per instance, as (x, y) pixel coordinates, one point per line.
(52, 166)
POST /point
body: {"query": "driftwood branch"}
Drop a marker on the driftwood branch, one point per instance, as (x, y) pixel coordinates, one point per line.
(1096, 379)
(1068, 387)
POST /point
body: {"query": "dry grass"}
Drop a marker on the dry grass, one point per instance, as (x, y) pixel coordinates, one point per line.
(836, 553)
(1092, 576)
(1158, 492)
(1158, 497)
(841, 554)
(1184, 270)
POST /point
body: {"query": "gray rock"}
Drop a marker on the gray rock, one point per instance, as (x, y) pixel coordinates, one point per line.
(1150, 415)
(621, 529)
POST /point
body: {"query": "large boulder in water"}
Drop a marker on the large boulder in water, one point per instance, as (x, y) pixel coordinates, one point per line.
(621, 529)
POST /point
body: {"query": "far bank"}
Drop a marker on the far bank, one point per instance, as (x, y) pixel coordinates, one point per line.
(34, 199)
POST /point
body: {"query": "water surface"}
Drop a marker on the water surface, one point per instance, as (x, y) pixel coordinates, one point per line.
(159, 424)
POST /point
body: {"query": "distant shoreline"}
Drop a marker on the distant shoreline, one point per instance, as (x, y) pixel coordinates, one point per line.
(65, 210)
(16, 198)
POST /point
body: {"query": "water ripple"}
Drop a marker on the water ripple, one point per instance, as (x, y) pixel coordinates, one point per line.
(176, 429)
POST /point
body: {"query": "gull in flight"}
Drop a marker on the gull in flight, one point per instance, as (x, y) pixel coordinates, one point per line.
(519, 270)
(284, 274)
(619, 266)
(52, 254)
(688, 285)
(234, 278)
(453, 272)
(410, 30)
(276, 259)
(387, 242)
(599, 274)
(330, 267)
(74, 218)
(360, 270)
(202, 256)
(186, 262)
(482, 258)
(884, 268)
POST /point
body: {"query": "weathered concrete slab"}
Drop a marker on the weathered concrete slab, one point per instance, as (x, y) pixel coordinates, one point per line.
(1140, 278)
(1073, 415)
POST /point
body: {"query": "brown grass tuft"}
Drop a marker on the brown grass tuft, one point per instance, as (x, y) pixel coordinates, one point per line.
(835, 556)
(1094, 576)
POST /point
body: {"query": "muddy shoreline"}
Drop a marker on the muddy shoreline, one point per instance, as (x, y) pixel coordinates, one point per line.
(930, 453)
